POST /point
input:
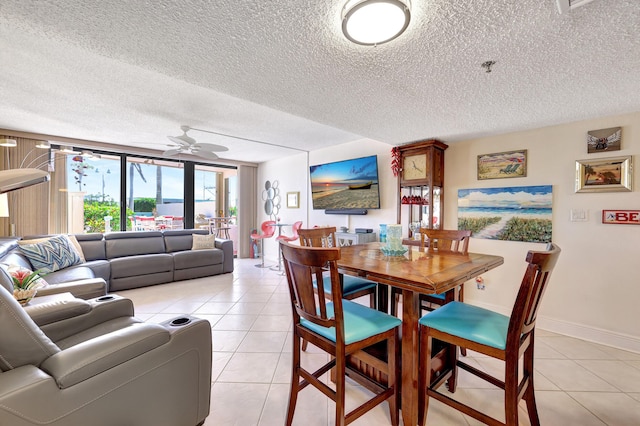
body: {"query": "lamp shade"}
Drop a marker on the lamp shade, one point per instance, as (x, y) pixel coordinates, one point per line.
(13, 179)
(373, 22)
(8, 142)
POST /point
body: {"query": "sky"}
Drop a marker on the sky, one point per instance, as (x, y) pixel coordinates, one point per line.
(172, 180)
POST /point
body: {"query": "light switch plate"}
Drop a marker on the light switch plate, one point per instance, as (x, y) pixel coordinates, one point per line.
(579, 215)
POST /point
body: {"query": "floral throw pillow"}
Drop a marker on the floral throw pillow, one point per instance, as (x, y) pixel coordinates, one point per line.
(51, 255)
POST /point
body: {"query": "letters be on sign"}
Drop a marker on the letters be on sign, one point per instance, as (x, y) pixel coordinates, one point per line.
(624, 217)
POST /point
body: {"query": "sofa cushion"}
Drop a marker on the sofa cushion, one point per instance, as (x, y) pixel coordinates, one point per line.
(181, 239)
(73, 273)
(51, 255)
(196, 258)
(76, 245)
(126, 243)
(93, 246)
(141, 265)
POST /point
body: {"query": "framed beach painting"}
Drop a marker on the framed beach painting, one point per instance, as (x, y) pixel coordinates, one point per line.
(517, 213)
(506, 164)
(613, 174)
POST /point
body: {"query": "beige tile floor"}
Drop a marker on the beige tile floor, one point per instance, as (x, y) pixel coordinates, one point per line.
(577, 382)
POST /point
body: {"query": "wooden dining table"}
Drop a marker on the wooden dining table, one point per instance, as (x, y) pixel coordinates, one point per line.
(416, 272)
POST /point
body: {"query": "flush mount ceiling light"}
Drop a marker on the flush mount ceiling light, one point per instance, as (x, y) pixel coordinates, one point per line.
(373, 22)
(43, 145)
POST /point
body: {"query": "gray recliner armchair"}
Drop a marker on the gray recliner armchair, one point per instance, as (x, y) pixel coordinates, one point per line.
(67, 361)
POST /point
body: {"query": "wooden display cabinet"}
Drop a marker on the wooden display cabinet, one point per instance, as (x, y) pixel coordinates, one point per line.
(421, 184)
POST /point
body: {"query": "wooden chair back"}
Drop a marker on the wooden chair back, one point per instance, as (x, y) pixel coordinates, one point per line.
(445, 240)
(318, 237)
(304, 264)
(534, 283)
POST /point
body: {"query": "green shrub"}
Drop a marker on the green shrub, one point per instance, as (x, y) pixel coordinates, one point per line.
(144, 204)
(475, 224)
(532, 230)
(95, 211)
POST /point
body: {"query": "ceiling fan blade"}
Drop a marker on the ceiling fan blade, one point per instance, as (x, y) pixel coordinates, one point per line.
(172, 151)
(206, 154)
(183, 140)
(210, 147)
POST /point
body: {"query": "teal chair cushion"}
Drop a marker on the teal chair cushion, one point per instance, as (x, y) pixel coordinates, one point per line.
(360, 322)
(469, 322)
(350, 284)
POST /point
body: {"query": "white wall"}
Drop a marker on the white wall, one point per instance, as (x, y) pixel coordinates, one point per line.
(292, 174)
(595, 287)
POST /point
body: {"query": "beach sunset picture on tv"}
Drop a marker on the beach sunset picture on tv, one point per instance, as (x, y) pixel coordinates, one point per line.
(348, 184)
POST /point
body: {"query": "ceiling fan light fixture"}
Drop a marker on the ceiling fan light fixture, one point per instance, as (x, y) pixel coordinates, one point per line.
(374, 22)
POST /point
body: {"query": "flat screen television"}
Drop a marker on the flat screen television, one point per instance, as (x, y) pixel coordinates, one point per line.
(346, 185)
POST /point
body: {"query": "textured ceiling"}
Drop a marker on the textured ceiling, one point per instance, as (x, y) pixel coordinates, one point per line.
(280, 71)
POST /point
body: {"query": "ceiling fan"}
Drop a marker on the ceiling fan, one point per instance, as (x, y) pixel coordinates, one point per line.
(188, 145)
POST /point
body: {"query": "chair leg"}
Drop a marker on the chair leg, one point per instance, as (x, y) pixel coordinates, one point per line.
(529, 394)
(424, 376)
(295, 381)
(393, 375)
(395, 299)
(340, 381)
(511, 392)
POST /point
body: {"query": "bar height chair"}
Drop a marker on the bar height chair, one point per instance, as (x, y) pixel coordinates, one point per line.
(352, 287)
(268, 229)
(341, 328)
(510, 339)
(288, 238)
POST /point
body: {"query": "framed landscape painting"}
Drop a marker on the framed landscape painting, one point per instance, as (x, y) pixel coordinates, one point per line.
(518, 213)
(507, 164)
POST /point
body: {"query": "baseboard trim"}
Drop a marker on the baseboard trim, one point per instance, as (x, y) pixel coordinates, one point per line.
(581, 331)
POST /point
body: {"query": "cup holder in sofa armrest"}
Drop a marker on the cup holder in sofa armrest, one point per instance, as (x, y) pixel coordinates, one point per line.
(104, 298)
(179, 322)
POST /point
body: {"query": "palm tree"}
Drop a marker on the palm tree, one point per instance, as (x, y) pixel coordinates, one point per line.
(137, 167)
(588, 171)
(158, 185)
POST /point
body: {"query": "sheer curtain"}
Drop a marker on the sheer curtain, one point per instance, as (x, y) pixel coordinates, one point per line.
(247, 207)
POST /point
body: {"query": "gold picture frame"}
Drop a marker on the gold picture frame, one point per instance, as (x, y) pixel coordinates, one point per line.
(293, 200)
(612, 174)
(499, 165)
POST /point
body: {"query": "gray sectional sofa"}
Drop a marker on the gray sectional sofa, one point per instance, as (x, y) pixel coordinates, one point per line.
(124, 260)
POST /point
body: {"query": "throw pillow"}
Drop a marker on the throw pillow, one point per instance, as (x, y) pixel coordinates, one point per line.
(203, 241)
(51, 255)
(76, 245)
(73, 244)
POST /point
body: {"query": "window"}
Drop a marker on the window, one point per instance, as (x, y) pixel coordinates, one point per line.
(155, 194)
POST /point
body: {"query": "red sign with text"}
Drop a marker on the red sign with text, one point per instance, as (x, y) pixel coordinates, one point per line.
(625, 217)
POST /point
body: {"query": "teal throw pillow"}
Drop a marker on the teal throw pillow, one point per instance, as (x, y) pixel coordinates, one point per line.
(51, 255)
